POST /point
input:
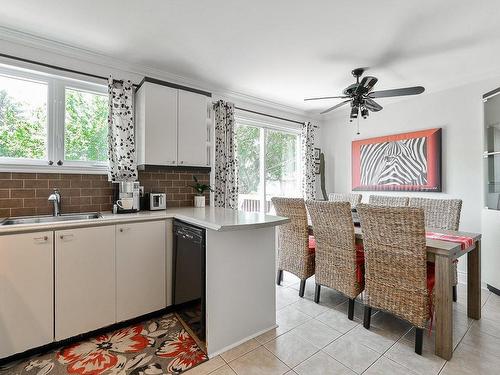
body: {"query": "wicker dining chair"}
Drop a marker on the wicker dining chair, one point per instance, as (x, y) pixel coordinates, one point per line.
(388, 200)
(339, 264)
(397, 277)
(295, 252)
(352, 198)
(441, 214)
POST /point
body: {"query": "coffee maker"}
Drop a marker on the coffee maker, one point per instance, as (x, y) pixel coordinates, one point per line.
(126, 197)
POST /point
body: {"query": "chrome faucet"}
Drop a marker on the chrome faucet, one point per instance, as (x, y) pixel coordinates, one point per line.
(55, 198)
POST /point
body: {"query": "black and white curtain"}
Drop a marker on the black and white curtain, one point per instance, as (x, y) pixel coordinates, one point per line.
(225, 178)
(121, 132)
(308, 162)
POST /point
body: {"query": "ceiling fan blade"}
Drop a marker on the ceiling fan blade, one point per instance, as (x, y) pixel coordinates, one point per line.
(372, 105)
(415, 90)
(336, 106)
(367, 83)
(326, 97)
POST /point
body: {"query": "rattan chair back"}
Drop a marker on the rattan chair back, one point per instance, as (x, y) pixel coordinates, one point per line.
(388, 200)
(396, 261)
(352, 198)
(439, 213)
(335, 246)
(293, 251)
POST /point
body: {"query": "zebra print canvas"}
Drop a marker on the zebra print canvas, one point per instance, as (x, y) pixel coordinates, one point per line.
(403, 162)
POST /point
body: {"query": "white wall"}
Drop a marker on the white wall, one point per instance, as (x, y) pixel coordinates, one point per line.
(57, 54)
(458, 111)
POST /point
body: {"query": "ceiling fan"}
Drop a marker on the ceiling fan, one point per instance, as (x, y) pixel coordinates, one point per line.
(360, 95)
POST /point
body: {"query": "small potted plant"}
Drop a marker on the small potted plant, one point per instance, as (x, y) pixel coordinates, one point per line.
(199, 198)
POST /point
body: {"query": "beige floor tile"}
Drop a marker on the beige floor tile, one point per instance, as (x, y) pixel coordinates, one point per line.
(224, 370)
(494, 301)
(350, 352)
(291, 349)
(285, 296)
(491, 312)
(317, 333)
(403, 352)
(470, 360)
(482, 341)
(384, 366)
(322, 364)
(390, 323)
(487, 326)
(289, 279)
(375, 338)
(238, 351)
(269, 335)
(258, 362)
(337, 320)
(462, 295)
(330, 297)
(459, 332)
(309, 307)
(359, 309)
(289, 318)
(207, 367)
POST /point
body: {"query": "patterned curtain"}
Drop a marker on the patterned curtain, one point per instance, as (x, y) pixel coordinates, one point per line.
(308, 175)
(225, 185)
(121, 133)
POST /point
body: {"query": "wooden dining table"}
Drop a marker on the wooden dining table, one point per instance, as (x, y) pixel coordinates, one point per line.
(442, 254)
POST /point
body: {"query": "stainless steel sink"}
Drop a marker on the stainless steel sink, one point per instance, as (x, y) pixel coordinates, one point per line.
(50, 219)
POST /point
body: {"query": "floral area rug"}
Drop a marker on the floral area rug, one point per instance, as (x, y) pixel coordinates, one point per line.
(157, 346)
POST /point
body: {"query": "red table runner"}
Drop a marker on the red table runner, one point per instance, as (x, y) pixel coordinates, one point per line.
(464, 241)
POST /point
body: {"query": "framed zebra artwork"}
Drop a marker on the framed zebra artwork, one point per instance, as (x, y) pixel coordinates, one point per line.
(400, 162)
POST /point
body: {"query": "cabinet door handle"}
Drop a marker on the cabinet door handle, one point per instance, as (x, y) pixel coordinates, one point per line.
(124, 229)
(181, 162)
(42, 238)
(66, 236)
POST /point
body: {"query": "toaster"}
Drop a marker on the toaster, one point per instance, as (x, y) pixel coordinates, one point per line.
(156, 201)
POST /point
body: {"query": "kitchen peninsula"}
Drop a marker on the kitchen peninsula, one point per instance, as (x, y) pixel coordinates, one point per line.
(240, 268)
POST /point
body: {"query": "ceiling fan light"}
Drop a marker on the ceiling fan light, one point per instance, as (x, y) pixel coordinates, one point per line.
(364, 113)
(354, 112)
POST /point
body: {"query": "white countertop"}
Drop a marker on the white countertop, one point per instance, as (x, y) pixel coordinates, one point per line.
(219, 219)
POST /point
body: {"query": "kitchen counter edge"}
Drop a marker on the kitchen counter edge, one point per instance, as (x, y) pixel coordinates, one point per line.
(213, 219)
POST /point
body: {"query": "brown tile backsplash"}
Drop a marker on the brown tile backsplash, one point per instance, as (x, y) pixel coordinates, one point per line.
(23, 194)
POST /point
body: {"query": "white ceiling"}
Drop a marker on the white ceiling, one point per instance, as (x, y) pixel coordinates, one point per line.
(280, 50)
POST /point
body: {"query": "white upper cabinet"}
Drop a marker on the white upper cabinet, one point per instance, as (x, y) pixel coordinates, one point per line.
(85, 281)
(140, 269)
(156, 116)
(192, 131)
(172, 126)
(26, 292)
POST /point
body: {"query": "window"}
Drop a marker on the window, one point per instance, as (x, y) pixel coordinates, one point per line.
(23, 118)
(268, 164)
(85, 126)
(49, 122)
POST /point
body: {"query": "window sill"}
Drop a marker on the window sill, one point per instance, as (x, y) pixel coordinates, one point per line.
(30, 168)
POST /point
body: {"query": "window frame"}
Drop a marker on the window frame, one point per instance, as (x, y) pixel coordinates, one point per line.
(264, 127)
(56, 111)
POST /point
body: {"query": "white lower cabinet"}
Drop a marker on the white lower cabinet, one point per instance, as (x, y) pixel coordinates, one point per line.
(140, 268)
(26, 292)
(85, 283)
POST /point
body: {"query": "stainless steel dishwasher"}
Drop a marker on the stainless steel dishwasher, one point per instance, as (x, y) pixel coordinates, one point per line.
(189, 273)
